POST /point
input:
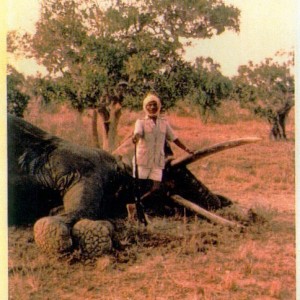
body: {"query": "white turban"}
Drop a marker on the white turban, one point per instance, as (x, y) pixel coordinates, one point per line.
(150, 98)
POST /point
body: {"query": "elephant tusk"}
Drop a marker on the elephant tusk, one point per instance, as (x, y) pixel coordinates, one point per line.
(187, 159)
(203, 212)
(125, 143)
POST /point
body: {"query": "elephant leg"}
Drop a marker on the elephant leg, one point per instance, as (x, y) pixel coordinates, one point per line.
(93, 238)
(52, 235)
(57, 210)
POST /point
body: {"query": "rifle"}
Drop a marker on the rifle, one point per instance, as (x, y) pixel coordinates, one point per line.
(137, 193)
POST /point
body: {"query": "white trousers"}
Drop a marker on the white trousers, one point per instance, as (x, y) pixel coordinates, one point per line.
(149, 173)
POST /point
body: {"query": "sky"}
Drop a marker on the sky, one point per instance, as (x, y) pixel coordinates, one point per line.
(266, 27)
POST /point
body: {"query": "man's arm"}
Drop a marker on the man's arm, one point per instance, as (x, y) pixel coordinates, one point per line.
(180, 144)
(138, 131)
(172, 137)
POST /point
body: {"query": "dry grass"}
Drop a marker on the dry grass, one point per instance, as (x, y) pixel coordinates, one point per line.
(178, 258)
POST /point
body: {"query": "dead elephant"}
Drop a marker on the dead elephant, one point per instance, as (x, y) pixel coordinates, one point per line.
(92, 185)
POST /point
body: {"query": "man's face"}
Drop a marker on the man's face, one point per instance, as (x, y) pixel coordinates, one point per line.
(152, 107)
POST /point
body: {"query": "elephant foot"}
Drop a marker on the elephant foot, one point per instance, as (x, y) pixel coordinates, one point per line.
(93, 238)
(52, 235)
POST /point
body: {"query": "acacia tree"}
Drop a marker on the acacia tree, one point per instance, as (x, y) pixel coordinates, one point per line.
(210, 86)
(94, 48)
(267, 89)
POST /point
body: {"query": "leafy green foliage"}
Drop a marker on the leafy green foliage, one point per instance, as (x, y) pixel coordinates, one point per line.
(265, 86)
(17, 100)
(210, 87)
(91, 48)
(267, 89)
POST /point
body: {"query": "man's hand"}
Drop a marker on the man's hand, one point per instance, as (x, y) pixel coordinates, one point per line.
(135, 138)
(181, 145)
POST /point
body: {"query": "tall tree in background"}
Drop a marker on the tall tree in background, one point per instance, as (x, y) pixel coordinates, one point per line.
(267, 89)
(210, 86)
(107, 55)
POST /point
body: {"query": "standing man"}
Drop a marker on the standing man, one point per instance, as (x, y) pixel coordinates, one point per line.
(150, 134)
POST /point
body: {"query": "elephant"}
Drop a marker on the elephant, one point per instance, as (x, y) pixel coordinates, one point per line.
(92, 187)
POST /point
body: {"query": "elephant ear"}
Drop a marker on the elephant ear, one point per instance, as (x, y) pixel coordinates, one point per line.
(21, 138)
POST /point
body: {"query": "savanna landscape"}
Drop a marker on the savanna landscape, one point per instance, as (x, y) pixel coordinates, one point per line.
(182, 257)
(93, 62)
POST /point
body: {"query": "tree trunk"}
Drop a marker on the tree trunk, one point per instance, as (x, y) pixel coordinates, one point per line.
(104, 116)
(275, 132)
(95, 129)
(278, 122)
(115, 114)
(110, 117)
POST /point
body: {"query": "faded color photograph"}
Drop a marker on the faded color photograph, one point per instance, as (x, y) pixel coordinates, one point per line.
(151, 149)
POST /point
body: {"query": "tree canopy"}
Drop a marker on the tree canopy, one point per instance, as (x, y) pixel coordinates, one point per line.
(267, 89)
(210, 86)
(94, 46)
